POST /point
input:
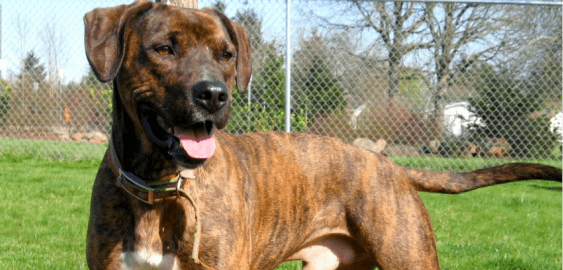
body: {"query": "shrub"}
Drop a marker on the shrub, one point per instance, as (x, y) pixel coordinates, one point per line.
(392, 121)
(5, 96)
(252, 117)
(506, 107)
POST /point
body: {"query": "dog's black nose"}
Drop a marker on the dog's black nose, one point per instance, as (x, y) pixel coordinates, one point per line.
(212, 95)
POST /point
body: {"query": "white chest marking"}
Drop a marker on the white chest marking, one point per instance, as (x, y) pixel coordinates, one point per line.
(148, 260)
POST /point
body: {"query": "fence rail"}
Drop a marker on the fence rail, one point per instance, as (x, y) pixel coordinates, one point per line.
(414, 79)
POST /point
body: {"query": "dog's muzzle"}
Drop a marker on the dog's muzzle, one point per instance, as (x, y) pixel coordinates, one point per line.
(185, 136)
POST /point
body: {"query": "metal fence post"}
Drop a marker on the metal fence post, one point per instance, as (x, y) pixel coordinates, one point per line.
(288, 68)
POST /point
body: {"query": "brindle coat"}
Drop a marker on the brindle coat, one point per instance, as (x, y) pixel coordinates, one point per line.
(264, 198)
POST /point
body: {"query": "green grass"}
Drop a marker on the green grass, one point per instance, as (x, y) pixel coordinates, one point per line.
(511, 226)
(51, 149)
(44, 209)
(44, 212)
(463, 164)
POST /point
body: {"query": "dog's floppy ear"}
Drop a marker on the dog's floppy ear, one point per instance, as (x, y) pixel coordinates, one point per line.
(239, 36)
(244, 62)
(105, 39)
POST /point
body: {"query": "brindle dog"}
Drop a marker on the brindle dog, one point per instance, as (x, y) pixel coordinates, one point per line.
(257, 199)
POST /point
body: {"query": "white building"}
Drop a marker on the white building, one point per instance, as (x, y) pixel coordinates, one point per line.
(457, 118)
(556, 126)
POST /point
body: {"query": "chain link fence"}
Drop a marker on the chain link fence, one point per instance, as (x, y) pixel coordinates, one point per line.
(471, 81)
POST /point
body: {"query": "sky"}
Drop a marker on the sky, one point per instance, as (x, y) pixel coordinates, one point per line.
(35, 18)
(26, 24)
(63, 18)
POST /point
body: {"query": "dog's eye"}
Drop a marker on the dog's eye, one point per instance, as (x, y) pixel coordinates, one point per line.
(164, 50)
(226, 56)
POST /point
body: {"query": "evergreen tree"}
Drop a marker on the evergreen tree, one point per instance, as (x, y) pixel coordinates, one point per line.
(220, 6)
(253, 24)
(317, 89)
(32, 71)
(268, 89)
(29, 103)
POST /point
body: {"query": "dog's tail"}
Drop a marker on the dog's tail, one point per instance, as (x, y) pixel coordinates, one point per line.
(453, 183)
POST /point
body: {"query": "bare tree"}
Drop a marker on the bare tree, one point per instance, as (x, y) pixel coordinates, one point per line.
(533, 48)
(252, 22)
(467, 32)
(54, 46)
(543, 23)
(396, 22)
(445, 29)
(54, 42)
(22, 29)
(399, 26)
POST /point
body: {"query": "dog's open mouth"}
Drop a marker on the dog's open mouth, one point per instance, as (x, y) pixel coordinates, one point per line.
(188, 144)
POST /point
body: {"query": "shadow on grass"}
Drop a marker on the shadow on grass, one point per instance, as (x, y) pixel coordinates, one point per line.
(555, 189)
(510, 264)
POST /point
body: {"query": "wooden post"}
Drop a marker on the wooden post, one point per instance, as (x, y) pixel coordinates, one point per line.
(182, 3)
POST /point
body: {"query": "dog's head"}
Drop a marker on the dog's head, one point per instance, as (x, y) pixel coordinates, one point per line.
(174, 70)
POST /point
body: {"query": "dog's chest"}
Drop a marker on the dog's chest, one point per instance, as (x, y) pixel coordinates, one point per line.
(148, 260)
(156, 236)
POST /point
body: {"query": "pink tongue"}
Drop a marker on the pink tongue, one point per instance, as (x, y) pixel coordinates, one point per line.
(200, 149)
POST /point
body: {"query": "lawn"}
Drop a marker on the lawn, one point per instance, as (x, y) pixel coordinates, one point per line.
(52, 149)
(513, 226)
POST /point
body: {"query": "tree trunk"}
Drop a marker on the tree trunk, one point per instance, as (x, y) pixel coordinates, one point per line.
(394, 72)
